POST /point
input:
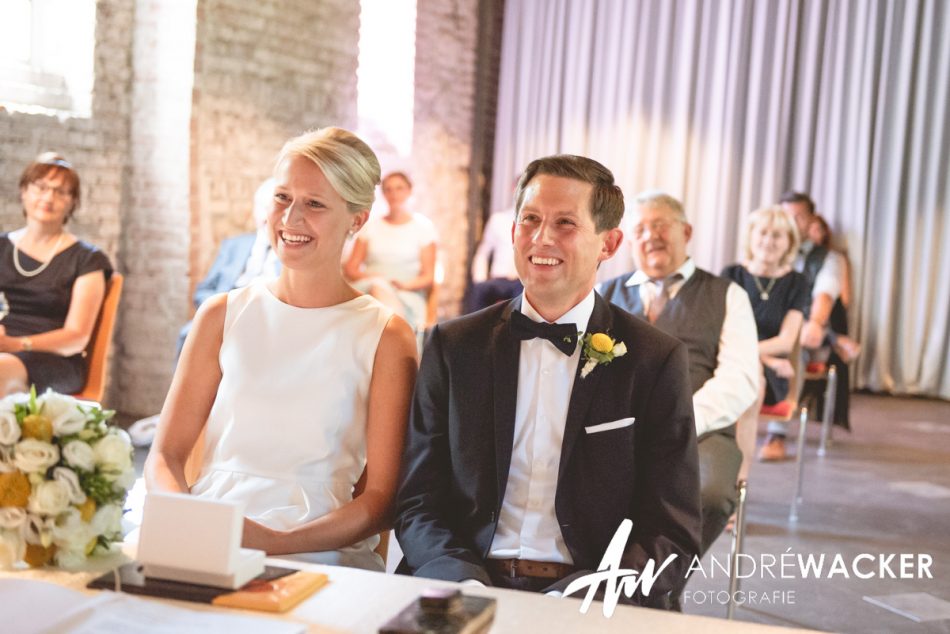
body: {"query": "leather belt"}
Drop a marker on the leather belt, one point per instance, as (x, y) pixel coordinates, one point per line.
(528, 568)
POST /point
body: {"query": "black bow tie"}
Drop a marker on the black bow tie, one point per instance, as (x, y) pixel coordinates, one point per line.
(563, 336)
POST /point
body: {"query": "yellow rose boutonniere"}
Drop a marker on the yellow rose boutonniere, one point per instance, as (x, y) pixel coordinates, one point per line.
(600, 349)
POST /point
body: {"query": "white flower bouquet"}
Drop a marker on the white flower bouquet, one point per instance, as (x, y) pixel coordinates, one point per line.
(64, 475)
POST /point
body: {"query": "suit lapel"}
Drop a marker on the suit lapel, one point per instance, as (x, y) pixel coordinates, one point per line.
(506, 353)
(584, 388)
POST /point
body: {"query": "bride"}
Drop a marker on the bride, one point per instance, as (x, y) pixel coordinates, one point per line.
(302, 384)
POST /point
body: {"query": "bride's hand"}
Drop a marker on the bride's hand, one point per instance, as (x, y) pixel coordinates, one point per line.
(259, 537)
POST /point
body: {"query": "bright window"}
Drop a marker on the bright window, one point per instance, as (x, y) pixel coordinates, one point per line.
(46, 56)
(386, 74)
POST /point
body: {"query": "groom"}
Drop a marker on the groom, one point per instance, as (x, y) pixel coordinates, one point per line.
(520, 468)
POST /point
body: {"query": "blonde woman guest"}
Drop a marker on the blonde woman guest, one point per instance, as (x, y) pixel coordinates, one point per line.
(52, 283)
(779, 297)
(393, 259)
(302, 384)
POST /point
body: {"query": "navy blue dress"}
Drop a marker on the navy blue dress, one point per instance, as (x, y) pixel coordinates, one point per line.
(789, 292)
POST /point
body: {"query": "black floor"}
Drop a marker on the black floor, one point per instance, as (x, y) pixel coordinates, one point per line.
(882, 489)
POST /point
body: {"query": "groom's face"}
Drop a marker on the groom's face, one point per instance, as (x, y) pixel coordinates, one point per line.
(557, 247)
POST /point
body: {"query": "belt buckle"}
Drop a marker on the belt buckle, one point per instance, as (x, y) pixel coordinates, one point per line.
(514, 568)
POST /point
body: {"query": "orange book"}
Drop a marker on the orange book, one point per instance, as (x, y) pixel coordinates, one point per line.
(275, 595)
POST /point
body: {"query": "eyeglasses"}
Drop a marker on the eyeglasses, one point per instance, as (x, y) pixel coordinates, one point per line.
(41, 188)
(655, 227)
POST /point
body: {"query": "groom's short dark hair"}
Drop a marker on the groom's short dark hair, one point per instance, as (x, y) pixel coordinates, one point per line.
(606, 199)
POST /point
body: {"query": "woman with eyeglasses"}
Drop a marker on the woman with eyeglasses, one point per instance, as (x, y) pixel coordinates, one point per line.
(51, 285)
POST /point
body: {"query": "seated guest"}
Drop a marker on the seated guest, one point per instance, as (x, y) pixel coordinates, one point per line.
(779, 296)
(713, 318)
(393, 258)
(843, 349)
(51, 285)
(301, 384)
(501, 281)
(822, 268)
(241, 259)
(525, 455)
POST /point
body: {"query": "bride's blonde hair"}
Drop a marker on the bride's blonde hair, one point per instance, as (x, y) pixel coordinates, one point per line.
(347, 162)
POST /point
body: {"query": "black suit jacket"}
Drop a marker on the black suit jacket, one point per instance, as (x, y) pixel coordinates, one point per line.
(461, 436)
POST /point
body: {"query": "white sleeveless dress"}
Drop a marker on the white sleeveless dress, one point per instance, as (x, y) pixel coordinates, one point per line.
(287, 431)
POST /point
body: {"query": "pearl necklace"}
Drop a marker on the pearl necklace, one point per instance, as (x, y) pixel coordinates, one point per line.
(41, 267)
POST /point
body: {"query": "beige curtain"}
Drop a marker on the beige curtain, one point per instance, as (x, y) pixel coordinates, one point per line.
(726, 103)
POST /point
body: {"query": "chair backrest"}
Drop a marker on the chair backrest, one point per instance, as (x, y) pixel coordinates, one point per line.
(97, 350)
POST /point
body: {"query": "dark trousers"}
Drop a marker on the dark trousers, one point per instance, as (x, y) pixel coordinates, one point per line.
(719, 462)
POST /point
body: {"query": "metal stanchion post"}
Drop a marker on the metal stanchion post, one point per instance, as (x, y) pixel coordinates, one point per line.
(799, 462)
(828, 416)
(737, 535)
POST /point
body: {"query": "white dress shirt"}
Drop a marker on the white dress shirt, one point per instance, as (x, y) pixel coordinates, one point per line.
(496, 242)
(734, 385)
(527, 525)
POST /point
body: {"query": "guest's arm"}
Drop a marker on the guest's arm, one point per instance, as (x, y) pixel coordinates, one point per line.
(72, 338)
(426, 271)
(189, 399)
(394, 371)
(734, 384)
(784, 342)
(826, 290)
(353, 269)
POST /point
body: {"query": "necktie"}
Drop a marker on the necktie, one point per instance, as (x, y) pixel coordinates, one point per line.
(563, 336)
(662, 296)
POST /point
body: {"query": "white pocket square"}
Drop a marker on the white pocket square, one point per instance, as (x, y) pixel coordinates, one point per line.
(614, 424)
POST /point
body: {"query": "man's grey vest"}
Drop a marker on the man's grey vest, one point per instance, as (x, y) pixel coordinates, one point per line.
(694, 317)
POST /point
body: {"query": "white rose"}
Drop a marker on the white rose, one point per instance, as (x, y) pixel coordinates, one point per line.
(12, 549)
(620, 349)
(9, 427)
(63, 411)
(38, 529)
(69, 478)
(35, 456)
(114, 452)
(70, 559)
(79, 455)
(107, 520)
(125, 481)
(49, 498)
(20, 398)
(71, 533)
(11, 518)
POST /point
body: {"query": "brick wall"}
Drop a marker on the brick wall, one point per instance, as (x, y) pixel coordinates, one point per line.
(154, 246)
(96, 145)
(264, 71)
(446, 39)
(180, 137)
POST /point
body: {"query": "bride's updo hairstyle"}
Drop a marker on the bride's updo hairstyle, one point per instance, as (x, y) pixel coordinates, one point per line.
(347, 162)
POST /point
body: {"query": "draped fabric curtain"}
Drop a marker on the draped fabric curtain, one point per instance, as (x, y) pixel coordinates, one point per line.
(727, 103)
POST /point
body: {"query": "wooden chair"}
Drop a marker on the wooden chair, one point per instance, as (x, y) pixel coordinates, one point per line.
(97, 350)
